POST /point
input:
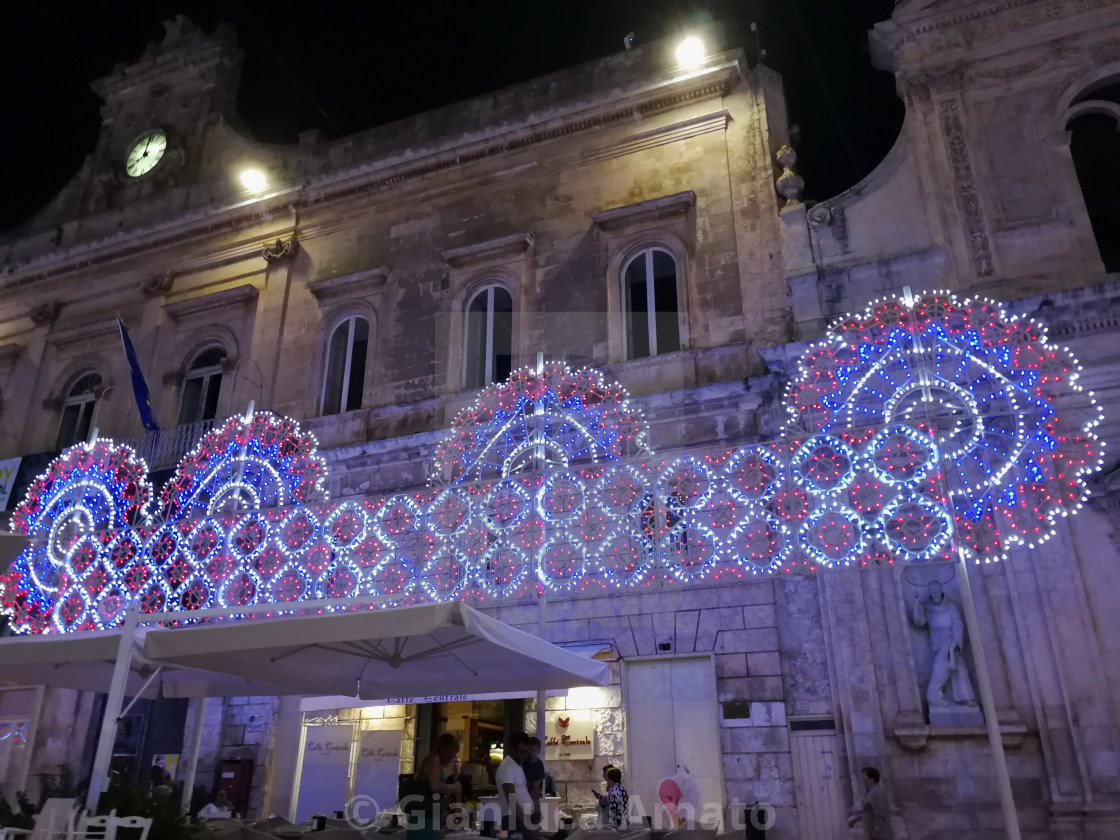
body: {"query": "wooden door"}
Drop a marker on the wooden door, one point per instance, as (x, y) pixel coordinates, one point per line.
(820, 808)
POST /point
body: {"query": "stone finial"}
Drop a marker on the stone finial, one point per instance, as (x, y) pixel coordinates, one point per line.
(790, 185)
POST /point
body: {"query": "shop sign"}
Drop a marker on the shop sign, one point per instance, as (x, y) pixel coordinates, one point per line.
(379, 765)
(9, 468)
(567, 739)
(313, 704)
(325, 774)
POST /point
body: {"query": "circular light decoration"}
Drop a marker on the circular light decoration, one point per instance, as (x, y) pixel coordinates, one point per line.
(346, 526)
(538, 419)
(447, 573)
(685, 483)
(399, 517)
(832, 536)
(760, 544)
(99, 487)
(299, 531)
(824, 464)
(915, 527)
(723, 512)
(1002, 404)
(342, 580)
(561, 498)
(691, 554)
(506, 505)
(561, 565)
(755, 473)
(247, 538)
(449, 512)
(621, 491)
(625, 560)
(263, 461)
(901, 454)
(503, 571)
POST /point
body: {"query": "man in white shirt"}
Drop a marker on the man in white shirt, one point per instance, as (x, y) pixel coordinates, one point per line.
(219, 809)
(513, 790)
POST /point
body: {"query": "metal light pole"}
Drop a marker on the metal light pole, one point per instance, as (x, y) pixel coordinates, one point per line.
(968, 604)
(988, 703)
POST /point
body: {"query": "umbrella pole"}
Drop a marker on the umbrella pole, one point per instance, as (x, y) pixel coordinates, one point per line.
(99, 779)
(196, 745)
(988, 704)
(540, 691)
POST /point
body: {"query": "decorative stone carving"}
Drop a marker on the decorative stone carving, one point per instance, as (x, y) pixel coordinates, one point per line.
(1105, 497)
(157, 284)
(968, 197)
(949, 689)
(281, 251)
(45, 313)
(922, 87)
(790, 185)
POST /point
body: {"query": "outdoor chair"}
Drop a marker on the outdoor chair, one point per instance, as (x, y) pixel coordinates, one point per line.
(97, 828)
(55, 821)
(134, 828)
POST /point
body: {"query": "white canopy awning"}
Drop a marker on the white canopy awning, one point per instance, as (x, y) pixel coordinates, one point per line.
(430, 649)
(85, 661)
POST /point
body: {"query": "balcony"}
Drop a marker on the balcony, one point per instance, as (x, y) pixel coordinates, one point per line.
(167, 447)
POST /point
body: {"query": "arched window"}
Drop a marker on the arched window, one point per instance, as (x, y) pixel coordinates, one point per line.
(345, 373)
(78, 410)
(649, 288)
(201, 386)
(488, 354)
(1095, 149)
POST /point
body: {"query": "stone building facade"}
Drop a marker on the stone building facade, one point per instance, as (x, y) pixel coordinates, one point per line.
(518, 217)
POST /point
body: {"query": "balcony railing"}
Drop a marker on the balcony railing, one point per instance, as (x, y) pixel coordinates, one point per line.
(167, 447)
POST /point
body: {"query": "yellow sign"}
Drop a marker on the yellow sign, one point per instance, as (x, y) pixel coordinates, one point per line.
(8, 470)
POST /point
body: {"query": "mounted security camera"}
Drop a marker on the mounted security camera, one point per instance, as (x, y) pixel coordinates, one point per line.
(628, 40)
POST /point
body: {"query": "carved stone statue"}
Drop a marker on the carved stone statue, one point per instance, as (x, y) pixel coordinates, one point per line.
(789, 185)
(946, 638)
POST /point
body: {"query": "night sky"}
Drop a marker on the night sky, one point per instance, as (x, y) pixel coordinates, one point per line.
(349, 66)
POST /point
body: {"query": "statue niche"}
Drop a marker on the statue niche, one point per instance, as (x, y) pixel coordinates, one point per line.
(941, 651)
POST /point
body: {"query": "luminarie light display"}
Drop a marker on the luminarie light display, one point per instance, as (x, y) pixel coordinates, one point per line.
(914, 427)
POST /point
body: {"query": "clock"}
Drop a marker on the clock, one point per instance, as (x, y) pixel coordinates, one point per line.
(145, 153)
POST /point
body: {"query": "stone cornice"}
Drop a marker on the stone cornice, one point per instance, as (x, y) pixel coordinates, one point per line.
(370, 176)
(655, 209)
(191, 226)
(236, 297)
(349, 285)
(944, 27)
(716, 121)
(95, 330)
(712, 81)
(504, 247)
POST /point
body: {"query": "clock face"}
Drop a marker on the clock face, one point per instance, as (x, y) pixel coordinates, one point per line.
(145, 153)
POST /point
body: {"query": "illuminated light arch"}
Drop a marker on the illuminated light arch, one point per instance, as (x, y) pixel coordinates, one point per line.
(547, 485)
(553, 418)
(1014, 428)
(248, 463)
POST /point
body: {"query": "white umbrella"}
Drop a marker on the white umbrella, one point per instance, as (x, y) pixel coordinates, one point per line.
(432, 649)
(85, 661)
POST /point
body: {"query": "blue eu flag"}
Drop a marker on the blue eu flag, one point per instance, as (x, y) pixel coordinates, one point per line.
(139, 386)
